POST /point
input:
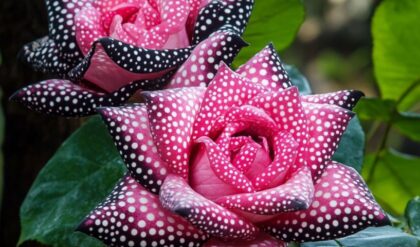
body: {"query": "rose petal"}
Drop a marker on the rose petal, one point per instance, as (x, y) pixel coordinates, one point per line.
(88, 28)
(222, 14)
(346, 98)
(111, 64)
(286, 109)
(204, 61)
(245, 157)
(227, 90)
(327, 124)
(267, 69)
(59, 52)
(177, 196)
(223, 169)
(132, 216)
(285, 151)
(64, 98)
(262, 240)
(342, 206)
(129, 127)
(295, 194)
(171, 114)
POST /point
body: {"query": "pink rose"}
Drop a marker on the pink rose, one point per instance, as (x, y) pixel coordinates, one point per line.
(104, 51)
(246, 161)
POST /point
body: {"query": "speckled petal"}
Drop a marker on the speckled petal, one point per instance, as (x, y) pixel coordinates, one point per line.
(132, 216)
(327, 124)
(171, 114)
(111, 64)
(342, 205)
(59, 52)
(345, 98)
(226, 90)
(129, 127)
(223, 169)
(285, 151)
(65, 98)
(177, 196)
(262, 240)
(295, 194)
(204, 61)
(286, 109)
(267, 69)
(222, 14)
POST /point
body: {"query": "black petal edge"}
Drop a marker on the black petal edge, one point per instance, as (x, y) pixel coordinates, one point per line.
(64, 98)
(219, 13)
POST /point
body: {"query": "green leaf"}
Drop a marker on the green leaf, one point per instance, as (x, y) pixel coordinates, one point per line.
(79, 176)
(298, 79)
(386, 236)
(351, 147)
(395, 180)
(412, 213)
(396, 54)
(274, 21)
(409, 125)
(375, 109)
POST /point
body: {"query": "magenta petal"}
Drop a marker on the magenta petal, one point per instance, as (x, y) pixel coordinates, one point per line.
(111, 64)
(177, 196)
(227, 90)
(132, 216)
(342, 206)
(171, 114)
(65, 98)
(129, 127)
(59, 52)
(231, 16)
(285, 152)
(262, 240)
(346, 98)
(245, 157)
(286, 109)
(327, 124)
(222, 167)
(295, 194)
(88, 28)
(205, 59)
(267, 69)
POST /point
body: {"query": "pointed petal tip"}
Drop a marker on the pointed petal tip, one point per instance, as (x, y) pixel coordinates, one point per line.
(16, 96)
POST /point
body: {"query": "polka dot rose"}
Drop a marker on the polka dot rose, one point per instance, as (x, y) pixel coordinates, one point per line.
(103, 51)
(243, 162)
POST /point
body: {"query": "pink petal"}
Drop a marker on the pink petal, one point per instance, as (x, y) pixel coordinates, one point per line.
(132, 216)
(267, 69)
(262, 240)
(245, 157)
(327, 124)
(222, 14)
(171, 115)
(64, 98)
(285, 152)
(129, 127)
(177, 196)
(342, 206)
(227, 90)
(222, 167)
(346, 98)
(286, 109)
(204, 61)
(88, 28)
(195, 7)
(112, 64)
(295, 194)
(202, 178)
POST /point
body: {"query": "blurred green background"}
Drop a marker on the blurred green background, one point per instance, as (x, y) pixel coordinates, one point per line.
(333, 48)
